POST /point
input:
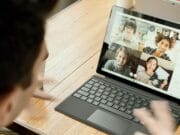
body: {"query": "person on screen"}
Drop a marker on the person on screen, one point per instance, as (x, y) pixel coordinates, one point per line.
(164, 44)
(127, 36)
(119, 65)
(149, 75)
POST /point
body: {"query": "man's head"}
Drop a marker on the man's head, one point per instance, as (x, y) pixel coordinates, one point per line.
(22, 50)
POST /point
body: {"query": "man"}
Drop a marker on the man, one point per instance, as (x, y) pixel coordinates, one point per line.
(22, 52)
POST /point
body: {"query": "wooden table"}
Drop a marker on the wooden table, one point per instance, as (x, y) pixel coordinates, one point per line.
(74, 37)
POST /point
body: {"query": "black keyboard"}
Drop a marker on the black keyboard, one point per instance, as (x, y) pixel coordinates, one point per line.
(113, 99)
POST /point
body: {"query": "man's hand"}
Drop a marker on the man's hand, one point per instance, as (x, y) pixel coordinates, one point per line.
(160, 122)
(33, 108)
(38, 93)
(42, 95)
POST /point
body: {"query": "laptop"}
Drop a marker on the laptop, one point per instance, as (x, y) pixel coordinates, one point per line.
(123, 82)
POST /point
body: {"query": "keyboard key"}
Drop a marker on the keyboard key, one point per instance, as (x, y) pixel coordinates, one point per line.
(115, 106)
(110, 99)
(107, 85)
(122, 109)
(104, 97)
(88, 85)
(94, 88)
(92, 92)
(175, 112)
(138, 101)
(122, 104)
(85, 89)
(108, 89)
(109, 103)
(91, 82)
(126, 96)
(136, 105)
(114, 91)
(116, 101)
(129, 107)
(112, 95)
(100, 90)
(145, 104)
(130, 103)
(120, 94)
(102, 86)
(132, 98)
(83, 93)
(125, 92)
(97, 84)
(92, 96)
(112, 87)
(103, 101)
(83, 98)
(95, 80)
(97, 99)
(77, 95)
(125, 100)
(95, 103)
(89, 100)
(106, 93)
(98, 94)
(176, 116)
(128, 111)
(101, 83)
(118, 97)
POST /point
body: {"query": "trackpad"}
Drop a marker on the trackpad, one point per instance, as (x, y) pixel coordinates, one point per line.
(110, 122)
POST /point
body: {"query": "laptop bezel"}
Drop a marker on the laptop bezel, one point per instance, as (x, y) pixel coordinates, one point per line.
(105, 47)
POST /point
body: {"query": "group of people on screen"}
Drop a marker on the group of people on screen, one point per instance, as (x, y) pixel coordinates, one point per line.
(124, 56)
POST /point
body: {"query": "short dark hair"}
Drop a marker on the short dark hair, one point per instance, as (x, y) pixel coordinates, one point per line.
(21, 36)
(130, 23)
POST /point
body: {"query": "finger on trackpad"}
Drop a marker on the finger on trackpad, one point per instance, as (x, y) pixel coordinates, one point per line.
(109, 122)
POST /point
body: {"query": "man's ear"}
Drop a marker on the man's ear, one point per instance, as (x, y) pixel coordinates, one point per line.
(6, 106)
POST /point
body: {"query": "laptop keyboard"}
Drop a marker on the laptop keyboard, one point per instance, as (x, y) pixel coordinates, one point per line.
(113, 99)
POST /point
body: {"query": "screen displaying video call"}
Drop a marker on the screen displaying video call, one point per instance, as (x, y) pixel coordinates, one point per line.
(144, 52)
